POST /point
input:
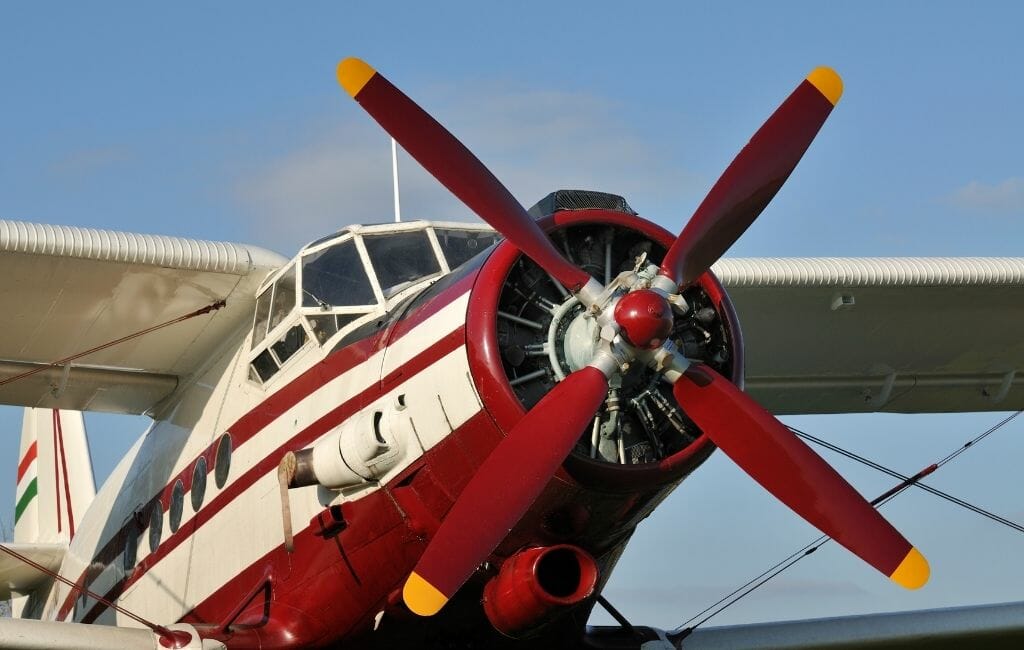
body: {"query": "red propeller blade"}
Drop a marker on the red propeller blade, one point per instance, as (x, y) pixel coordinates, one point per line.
(766, 450)
(753, 178)
(455, 167)
(503, 488)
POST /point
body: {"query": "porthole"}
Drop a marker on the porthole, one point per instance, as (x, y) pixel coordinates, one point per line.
(222, 464)
(177, 505)
(198, 483)
(156, 526)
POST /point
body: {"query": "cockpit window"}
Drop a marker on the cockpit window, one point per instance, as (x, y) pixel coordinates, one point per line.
(284, 297)
(399, 259)
(459, 246)
(335, 277)
(290, 343)
(259, 326)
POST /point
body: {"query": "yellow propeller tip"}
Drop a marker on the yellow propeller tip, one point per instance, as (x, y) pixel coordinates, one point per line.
(422, 597)
(828, 82)
(913, 571)
(353, 74)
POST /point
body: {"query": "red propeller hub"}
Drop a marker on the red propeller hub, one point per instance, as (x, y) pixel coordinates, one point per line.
(645, 318)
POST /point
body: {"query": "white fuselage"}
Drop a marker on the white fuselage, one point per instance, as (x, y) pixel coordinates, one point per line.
(239, 522)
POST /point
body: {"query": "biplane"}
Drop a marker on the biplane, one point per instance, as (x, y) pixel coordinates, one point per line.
(441, 434)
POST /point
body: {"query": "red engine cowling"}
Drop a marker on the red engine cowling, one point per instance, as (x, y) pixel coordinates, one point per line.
(536, 585)
(518, 315)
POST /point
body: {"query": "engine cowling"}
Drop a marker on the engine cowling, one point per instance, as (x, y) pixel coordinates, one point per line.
(524, 334)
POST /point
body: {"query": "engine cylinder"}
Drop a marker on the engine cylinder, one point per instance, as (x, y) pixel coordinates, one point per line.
(536, 585)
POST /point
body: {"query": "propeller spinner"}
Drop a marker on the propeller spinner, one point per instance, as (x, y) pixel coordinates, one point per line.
(635, 318)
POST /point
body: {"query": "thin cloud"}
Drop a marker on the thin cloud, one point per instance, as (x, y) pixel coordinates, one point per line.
(1005, 198)
(535, 142)
(85, 162)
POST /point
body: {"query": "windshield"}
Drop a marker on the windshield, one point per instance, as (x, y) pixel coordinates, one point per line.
(336, 277)
(399, 259)
(459, 246)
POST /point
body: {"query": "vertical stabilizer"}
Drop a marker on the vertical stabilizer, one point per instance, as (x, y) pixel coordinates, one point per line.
(55, 481)
(55, 485)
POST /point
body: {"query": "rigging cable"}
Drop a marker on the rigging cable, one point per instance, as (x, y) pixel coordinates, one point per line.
(171, 636)
(109, 344)
(754, 583)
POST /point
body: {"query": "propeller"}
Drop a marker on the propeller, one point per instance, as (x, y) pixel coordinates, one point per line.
(523, 463)
(753, 178)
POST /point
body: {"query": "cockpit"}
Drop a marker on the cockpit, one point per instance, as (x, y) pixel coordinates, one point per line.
(339, 282)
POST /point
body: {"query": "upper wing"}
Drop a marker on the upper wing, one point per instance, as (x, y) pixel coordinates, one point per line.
(68, 289)
(907, 335)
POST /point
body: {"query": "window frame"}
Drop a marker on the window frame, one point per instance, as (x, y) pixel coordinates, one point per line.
(363, 314)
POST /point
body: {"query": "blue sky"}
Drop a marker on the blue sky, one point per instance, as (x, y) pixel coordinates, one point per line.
(223, 121)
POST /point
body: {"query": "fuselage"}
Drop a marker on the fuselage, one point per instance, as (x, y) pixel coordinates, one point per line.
(189, 525)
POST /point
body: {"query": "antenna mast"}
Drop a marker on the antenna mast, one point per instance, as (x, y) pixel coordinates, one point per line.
(394, 176)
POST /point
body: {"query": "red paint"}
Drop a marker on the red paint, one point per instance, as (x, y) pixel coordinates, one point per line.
(748, 184)
(255, 420)
(341, 583)
(346, 577)
(536, 585)
(645, 318)
(503, 405)
(268, 464)
(451, 163)
(30, 455)
(508, 482)
(785, 466)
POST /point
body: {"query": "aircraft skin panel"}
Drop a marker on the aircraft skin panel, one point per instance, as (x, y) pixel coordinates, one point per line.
(906, 335)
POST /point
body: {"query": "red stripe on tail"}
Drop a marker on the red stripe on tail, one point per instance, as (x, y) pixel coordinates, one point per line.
(30, 456)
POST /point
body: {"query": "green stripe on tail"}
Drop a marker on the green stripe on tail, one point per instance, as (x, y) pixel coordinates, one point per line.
(30, 493)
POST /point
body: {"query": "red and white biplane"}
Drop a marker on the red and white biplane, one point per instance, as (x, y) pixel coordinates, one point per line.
(445, 434)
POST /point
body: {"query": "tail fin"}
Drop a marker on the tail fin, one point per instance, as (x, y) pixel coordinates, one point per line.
(55, 480)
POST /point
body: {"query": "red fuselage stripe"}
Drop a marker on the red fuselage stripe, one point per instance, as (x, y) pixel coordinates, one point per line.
(30, 456)
(333, 418)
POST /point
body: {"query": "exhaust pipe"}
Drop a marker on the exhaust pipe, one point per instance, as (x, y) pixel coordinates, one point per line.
(537, 585)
